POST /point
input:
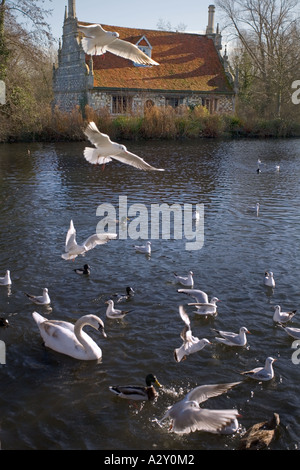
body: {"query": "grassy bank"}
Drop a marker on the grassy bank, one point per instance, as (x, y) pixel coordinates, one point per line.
(156, 123)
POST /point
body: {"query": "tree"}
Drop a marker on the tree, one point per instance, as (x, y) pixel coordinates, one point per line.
(33, 23)
(269, 40)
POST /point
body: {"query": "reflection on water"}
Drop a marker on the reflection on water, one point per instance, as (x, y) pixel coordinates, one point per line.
(50, 401)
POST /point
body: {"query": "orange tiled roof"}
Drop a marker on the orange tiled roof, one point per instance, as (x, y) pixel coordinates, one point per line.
(188, 62)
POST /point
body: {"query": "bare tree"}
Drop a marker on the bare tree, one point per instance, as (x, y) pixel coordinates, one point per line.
(268, 34)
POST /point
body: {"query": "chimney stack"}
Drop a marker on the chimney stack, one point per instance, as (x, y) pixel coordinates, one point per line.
(72, 9)
(211, 19)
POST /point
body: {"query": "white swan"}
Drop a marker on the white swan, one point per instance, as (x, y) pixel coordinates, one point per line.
(72, 249)
(97, 41)
(6, 280)
(106, 150)
(69, 339)
(191, 344)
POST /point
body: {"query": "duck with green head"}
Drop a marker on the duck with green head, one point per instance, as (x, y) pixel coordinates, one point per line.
(135, 392)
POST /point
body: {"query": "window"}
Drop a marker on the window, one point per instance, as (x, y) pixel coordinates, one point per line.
(144, 45)
(121, 104)
(174, 102)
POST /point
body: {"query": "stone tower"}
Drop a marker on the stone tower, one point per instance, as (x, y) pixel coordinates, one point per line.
(71, 76)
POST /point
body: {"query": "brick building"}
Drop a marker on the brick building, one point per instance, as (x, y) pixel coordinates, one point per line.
(192, 70)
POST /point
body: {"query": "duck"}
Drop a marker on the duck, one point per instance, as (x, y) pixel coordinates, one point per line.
(85, 270)
(282, 317)
(113, 313)
(269, 279)
(122, 297)
(260, 435)
(233, 339)
(186, 281)
(187, 416)
(70, 339)
(4, 322)
(190, 344)
(263, 374)
(135, 392)
(40, 299)
(6, 280)
(145, 249)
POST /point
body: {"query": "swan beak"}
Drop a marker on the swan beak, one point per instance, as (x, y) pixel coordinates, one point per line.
(102, 331)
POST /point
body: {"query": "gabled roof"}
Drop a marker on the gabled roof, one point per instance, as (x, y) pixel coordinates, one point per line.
(188, 62)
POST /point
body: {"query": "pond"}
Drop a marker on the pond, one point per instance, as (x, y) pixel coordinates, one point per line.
(52, 401)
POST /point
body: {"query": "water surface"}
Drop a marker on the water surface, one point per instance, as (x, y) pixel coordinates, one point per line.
(51, 401)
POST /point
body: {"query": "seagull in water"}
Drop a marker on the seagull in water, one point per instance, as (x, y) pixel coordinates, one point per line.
(293, 332)
(106, 150)
(191, 344)
(262, 373)
(145, 249)
(233, 339)
(187, 416)
(269, 279)
(187, 281)
(97, 41)
(40, 299)
(114, 314)
(72, 249)
(203, 305)
(6, 280)
(282, 317)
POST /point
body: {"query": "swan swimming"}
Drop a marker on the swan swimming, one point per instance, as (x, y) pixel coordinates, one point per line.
(69, 339)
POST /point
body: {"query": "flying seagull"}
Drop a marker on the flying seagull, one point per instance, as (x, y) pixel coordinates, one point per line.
(106, 150)
(97, 41)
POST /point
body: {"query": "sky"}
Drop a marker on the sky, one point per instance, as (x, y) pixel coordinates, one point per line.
(134, 13)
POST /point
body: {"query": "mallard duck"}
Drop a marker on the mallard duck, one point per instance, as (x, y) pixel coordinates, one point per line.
(187, 416)
(135, 392)
(40, 299)
(233, 339)
(260, 435)
(69, 339)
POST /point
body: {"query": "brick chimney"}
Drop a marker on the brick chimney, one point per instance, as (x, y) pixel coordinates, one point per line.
(211, 20)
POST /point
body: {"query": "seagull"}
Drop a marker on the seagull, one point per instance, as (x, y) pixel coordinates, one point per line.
(145, 249)
(106, 150)
(97, 41)
(198, 295)
(185, 281)
(85, 270)
(191, 344)
(40, 299)
(204, 306)
(187, 416)
(262, 373)
(72, 249)
(255, 208)
(114, 314)
(294, 332)
(6, 280)
(233, 339)
(269, 279)
(282, 317)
